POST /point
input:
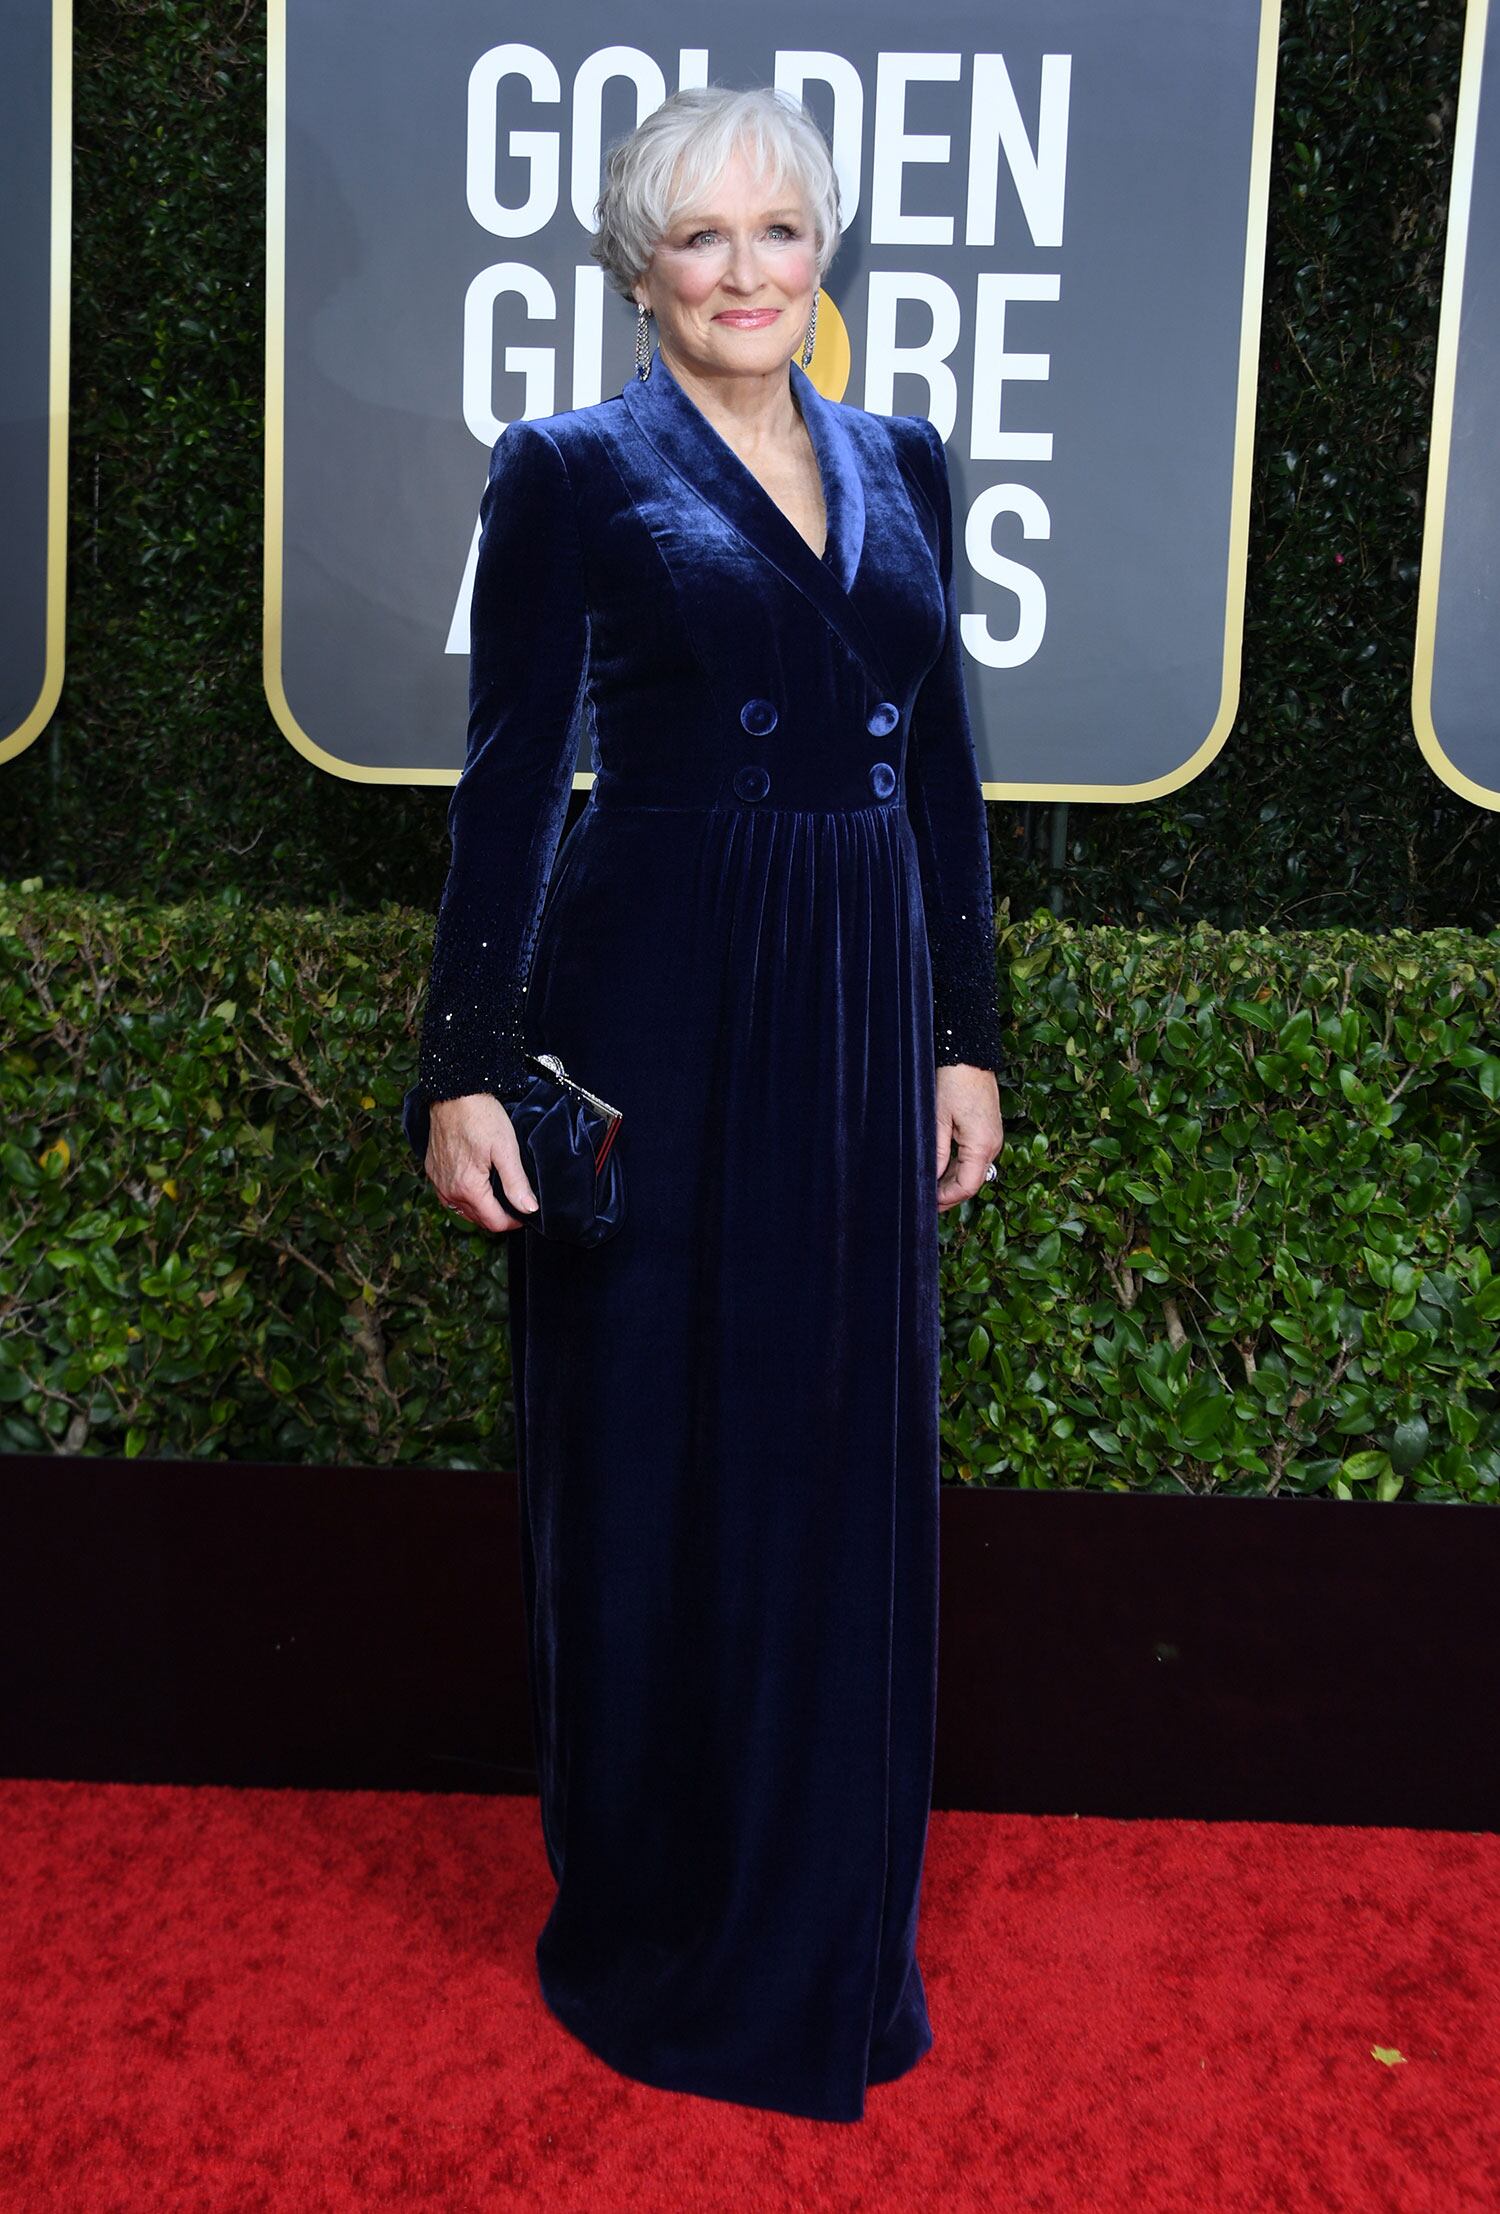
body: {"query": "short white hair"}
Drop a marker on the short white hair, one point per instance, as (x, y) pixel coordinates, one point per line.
(688, 142)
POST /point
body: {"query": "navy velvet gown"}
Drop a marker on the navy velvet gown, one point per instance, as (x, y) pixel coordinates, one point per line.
(770, 923)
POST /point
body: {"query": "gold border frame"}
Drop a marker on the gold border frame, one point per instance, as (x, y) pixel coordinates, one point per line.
(1262, 125)
(1239, 508)
(1445, 377)
(275, 447)
(59, 328)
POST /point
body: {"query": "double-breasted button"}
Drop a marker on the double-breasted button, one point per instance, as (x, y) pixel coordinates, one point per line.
(752, 782)
(882, 779)
(758, 716)
(883, 717)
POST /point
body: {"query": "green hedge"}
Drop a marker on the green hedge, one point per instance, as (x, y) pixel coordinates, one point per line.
(1248, 1231)
(1244, 1239)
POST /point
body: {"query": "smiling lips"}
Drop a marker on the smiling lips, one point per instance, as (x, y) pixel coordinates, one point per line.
(747, 319)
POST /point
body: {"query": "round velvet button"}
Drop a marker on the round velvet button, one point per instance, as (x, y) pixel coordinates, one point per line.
(758, 716)
(752, 781)
(884, 717)
(882, 779)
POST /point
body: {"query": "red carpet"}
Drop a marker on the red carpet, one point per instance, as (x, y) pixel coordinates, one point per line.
(219, 1999)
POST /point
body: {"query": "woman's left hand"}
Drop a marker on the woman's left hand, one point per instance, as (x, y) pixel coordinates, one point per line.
(968, 1124)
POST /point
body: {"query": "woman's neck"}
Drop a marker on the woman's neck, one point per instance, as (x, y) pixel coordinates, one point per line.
(749, 412)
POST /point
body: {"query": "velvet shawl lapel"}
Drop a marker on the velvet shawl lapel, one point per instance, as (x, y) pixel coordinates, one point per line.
(693, 449)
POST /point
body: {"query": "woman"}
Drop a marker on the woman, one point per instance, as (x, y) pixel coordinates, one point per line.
(768, 929)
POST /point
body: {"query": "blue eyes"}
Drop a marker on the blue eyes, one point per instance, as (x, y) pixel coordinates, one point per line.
(788, 229)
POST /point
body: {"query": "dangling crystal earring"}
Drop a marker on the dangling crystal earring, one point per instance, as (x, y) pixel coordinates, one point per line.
(642, 340)
(812, 324)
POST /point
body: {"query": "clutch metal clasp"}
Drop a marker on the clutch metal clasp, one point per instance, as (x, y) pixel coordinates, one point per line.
(551, 1062)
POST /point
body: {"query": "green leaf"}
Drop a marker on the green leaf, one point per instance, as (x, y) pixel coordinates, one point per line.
(1364, 1468)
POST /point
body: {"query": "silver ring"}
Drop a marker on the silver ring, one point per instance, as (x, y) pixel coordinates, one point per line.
(991, 1173)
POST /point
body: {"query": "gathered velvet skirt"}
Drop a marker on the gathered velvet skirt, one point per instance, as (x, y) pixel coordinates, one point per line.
(727, 1429)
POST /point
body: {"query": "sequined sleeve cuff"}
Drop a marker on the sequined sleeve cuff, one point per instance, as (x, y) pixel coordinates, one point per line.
(965, 1011)
(476, 1046)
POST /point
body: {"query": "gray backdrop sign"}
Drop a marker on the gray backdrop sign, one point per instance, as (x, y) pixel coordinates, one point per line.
(35, 165)
(1056, 218)
(1456, 669)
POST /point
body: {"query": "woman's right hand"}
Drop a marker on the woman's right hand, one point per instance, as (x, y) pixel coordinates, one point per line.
(466, 1138)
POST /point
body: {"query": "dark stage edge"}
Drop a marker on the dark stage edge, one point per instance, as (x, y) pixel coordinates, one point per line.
(1261, 1660)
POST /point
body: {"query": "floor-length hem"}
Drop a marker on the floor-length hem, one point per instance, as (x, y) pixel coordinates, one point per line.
(771, 2098)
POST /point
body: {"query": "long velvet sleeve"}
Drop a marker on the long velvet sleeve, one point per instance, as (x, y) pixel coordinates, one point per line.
(528, 666)
(947, 808)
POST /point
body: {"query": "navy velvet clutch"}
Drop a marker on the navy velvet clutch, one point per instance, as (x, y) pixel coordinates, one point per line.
(567, 1140)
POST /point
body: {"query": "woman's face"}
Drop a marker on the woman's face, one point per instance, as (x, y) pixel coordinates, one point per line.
(731, 285)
